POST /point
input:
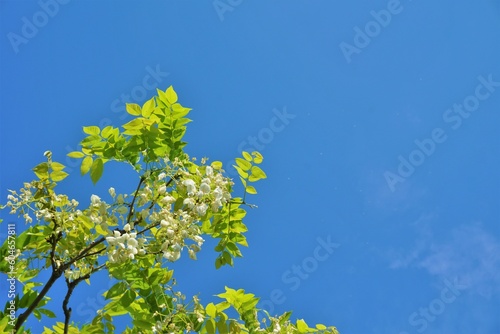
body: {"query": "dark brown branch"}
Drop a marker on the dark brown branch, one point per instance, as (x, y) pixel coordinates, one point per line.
(56, 273)
(23, 316)
(131, 209)
(71, 286)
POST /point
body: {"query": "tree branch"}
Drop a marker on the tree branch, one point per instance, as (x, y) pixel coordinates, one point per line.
(23, 316)
(131, 209)
(71, 286)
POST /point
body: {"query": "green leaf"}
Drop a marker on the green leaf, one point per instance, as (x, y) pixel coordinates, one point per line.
(217, 165)
(179, 111)
(218, 262)
(107, 131)
(243, 164)
(222, 326)
(133, 109)
(256, 174)
(210, 326)
(171, 95)
(128, 297)
(227, 258)
(116, 290)
(302, 326)
(90, 141)
(42, 170)
(56, 166)
(247, 156)
(141, 324)
(76, 154)
(91, 130)
(100, 230)
(136, 123)
(211, 310)
(251, 190)
(148, 107)
(241, 172)
(86, 164)
(58, 175)
(46, 312)
(257, 157)
(320, 327)
(96, 170)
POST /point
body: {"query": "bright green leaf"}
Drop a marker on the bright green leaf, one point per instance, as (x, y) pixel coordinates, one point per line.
(302, 326)
(247, 156)
(76, 154)
(256, 174)
(257, 157)
(133, 109)
(241, 172)
(91, 130)
(148, 108)
(171, 95)
(243, 164)
(251, 190)
(217, 165)
(56, 166)
(58, 175)
(86, 164)
(211, 310)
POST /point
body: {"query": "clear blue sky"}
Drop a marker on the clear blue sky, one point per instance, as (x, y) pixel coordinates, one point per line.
(378, 121)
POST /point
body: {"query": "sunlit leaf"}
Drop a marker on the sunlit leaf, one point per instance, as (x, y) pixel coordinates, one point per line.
(217, 165)
(86, 164)
(148, 108)
(133, 109)
(58, 175)
(243, 164)
(91, 130)
(251, 190)
(171, 95)
(76, 154)
(247, 156)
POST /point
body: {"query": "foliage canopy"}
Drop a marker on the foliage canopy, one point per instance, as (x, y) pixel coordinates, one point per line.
(134, 236)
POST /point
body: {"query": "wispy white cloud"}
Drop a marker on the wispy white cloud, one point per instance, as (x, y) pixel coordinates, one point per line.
(470, 253)
(470, 256)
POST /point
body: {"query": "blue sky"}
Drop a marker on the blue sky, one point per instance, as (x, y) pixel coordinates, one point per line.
(378, 121)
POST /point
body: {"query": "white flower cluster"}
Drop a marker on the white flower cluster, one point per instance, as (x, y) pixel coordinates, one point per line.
(213, 191)
(181, 225)
(22, 203)
(98, 213)
(205, 191)
(125, 246)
